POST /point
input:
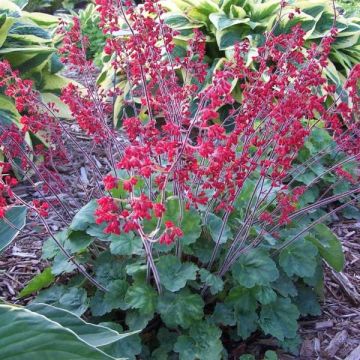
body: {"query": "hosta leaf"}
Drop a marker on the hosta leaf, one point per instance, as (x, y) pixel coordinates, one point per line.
(221, 21)
(279, 319)
(329, 246)
(214, 282)
(95, 335)
(299, 259)
(26, 335)
(4, 27)
(180, 309)
(38, 282)
(174, 274)
(254, 268)
(15, 216)
(214, 224)
(143, 297)
(203, 342)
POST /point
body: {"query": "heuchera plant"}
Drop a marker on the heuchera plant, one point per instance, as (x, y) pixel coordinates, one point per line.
(206, 222)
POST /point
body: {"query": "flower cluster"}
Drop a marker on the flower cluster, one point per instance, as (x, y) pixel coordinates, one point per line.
(187, 133)
(178, 135)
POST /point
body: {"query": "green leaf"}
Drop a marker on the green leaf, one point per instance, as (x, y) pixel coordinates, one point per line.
(223, 315)
(78, 241)
(26, 335)
(265, 294)
(94, 335)
(270, 355)
(180, 309)
(307, 302)
(16, 216)
(242, 299)
(329, 246)
(214, 223)
(174, 274)
(284, 285)
(299, 259)
(143, 297)
(254, 268)
(191, 220)
(129, 346)
(62, 110)
(84, 217)
(203, 342)
(279, 319)
(247, 323)
(72, 299)
(213, 281)
(40, 281)
(137, 321)
(126, 244)
(221, 21)
(103, 303)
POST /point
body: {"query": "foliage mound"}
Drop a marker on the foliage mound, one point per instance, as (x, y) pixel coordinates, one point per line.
(209, 223)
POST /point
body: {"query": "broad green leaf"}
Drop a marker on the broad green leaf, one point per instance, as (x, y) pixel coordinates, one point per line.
(214, 224)
(78, 241)
(129, 346)
(223, 315)
(329, 246)
(16, 216)
(174, 274)
(26, 335)
(84, 217)
(10, 8)
(143, 297)
(72, 299)
(102, 303)
(307, 302)
(203, 342)
(247, 323)
(299, 258)
(94, 335)
(214, 282)
(41, 19)
(190, 221)
(61, 109)
(279, 319)
(38, 282)
(4, 29)
(265, 294)
(137, 321)
(126, 244)
(284, 285)
(254, 268)
(222, 22)
(180, 309)
(242, 299)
